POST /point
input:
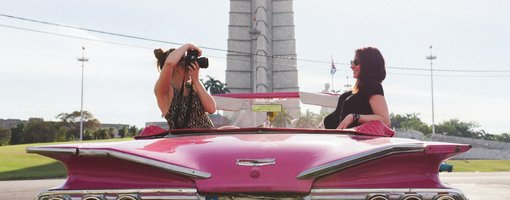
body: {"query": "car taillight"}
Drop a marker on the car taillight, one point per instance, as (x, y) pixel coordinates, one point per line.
(93, 198)
(412, 197)
(379, 197)
(127, 197)
(444, 198)
(58, 198)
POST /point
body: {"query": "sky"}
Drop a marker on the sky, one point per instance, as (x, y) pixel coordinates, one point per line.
(41, 77)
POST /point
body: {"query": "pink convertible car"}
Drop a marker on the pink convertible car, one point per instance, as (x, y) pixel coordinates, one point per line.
(364, 163)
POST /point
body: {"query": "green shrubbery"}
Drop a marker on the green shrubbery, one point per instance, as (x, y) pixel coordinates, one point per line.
(452, 127)
(5, 136)
(37, 130)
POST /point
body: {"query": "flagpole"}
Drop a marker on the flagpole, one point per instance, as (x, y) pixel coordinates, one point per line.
(332, 73)
(332, 89)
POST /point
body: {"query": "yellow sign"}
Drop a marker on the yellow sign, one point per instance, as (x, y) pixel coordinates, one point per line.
(266, 108)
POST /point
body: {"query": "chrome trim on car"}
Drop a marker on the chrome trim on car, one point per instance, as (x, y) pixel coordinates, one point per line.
(412, 197)
(315, 194)
(163, 193)
(40, 150)
(386, 190)
(170, 197)
(123, 156)
(127, 197)
(93, 198)
(444, 197)
(378, 197)
(253, 196)
(360, 158)
(255, 162)
(142, 160)
(120, 191)
(59, 198)
(391, 193)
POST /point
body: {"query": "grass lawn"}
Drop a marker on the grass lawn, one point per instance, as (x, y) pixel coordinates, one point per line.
(16, 164)
(480, 165)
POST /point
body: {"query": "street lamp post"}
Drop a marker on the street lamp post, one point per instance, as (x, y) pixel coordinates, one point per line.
(431, 58)
(82, 60)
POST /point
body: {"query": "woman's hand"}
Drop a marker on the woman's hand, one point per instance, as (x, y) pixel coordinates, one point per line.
(193, 70)
(206, 99)
(346, 122)
(192, 46)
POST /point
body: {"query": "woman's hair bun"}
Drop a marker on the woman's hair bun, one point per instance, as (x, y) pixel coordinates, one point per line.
(158, 53)
(161, 56)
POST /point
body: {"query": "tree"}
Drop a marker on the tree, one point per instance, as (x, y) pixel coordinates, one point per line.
(505, 137)
(282, 119)
(487, 136)
(5, 136)
(60, 134)
(17, 134)
(89, 135)
(71, 121)
(74, 116)
(132, 131)
(320, 118)
(37, 130)
(104, 133)
(409, 122)
(123, 132)
(308, 120)
(455, 127)
(215, 86)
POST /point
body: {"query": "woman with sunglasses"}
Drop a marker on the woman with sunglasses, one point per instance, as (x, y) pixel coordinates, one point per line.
(366, 100)
(181, 97)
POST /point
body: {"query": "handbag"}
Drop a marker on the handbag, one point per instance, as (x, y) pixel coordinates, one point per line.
(374, 128)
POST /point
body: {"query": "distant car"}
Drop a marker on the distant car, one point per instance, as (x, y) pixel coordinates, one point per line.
(445, 167)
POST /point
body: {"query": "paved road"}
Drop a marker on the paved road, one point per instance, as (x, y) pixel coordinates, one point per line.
(476, 186)
(21, 190)
(480, 186)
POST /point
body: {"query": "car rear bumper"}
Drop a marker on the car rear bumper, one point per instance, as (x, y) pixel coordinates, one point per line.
(315, 194)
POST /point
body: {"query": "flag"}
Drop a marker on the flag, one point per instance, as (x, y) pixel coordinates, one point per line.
(333, 68)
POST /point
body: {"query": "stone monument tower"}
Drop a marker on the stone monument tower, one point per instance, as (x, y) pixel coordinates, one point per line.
(262, 52)
(261, 47)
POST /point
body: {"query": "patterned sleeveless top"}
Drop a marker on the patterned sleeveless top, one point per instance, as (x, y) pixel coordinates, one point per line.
(198, 118)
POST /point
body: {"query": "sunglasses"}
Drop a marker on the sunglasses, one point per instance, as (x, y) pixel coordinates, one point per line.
(354, 62)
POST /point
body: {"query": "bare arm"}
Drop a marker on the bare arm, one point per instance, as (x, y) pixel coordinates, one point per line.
(206, 99)
(380, 108)
(163, 89)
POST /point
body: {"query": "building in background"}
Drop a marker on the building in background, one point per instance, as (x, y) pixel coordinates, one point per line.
(262, 49)
(115, 126)
(10, 123)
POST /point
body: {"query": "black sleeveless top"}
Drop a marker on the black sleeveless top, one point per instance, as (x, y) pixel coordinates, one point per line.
(197, 118)
(349, 103)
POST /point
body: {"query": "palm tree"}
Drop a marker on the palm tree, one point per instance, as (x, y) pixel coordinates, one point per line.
(308, 120)
(282, 119)
(215, 86)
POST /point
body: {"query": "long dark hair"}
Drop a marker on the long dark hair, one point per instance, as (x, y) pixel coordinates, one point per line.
(161, 56)
(372, 67)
